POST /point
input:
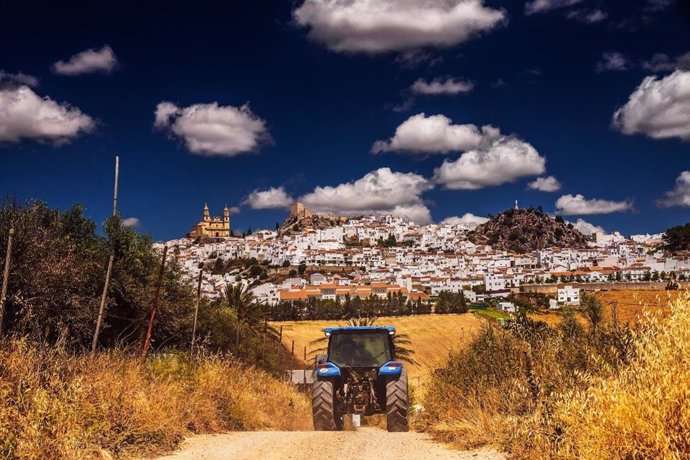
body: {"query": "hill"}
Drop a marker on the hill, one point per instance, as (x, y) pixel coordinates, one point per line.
(525, 230)
(301, 218)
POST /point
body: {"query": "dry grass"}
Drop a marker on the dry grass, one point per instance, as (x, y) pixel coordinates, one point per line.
(642, 412)
(432, 337)
(569, 395)
(55, 405)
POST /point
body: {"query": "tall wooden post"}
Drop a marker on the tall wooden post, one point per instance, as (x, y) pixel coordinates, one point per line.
(154, 308)
(292, 354)
(6, 276)
(196, 308)
(109, 271)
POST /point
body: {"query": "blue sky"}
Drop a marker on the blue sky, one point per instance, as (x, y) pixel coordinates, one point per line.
(271, 101)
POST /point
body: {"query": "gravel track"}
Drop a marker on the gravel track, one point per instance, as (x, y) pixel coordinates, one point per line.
(365, 443)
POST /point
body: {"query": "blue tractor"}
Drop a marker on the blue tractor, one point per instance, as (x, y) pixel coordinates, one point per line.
(360, 375)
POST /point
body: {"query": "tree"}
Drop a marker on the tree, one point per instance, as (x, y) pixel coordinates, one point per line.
(302, 268)
(218, 266)
(248, 313)
(255, 271)
(677, 238)
(286, 263)
(593, 311)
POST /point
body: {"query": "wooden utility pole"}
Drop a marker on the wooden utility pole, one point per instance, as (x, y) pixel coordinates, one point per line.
(196, 308)
(154, 308)
(109, 271)
(6, 276)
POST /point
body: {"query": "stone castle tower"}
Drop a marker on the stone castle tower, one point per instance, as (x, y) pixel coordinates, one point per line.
(212, 227)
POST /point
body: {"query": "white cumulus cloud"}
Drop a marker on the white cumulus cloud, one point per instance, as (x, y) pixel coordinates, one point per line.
(378, 26)
(272, 198)
(24, 114)
(89, 61)
(213, 130)
(441, 86)
(545, 184)
(680, 194)
(658, 108)
(131, 222)
(468, 220)
(540, 6)
(503, 160)
(586, 228)
(379, 192)
(579, 205)
(432, 134)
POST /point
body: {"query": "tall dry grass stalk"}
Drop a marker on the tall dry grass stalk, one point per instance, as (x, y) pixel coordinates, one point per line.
(568, 394)
(56, 405)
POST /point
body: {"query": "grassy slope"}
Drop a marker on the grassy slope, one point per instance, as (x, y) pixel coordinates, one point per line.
(432, 337)
(57, 405)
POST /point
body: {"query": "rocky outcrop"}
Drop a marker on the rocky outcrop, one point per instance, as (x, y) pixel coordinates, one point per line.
(526, 230)
(301, 218)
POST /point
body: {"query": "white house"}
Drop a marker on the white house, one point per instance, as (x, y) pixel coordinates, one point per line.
(494, 283)
(507, 306)
(568, 295)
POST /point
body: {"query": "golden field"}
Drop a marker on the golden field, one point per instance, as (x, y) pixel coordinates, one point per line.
(632, 305)
(432, 337)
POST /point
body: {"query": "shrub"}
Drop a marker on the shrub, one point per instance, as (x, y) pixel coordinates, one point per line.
(510, 372)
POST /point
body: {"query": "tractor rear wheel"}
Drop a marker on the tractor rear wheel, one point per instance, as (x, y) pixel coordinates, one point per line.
(397, 404)
(323, 407)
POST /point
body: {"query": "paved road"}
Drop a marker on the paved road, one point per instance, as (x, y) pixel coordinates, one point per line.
(365, 443)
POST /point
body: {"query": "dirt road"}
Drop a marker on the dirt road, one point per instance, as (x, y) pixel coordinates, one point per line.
(365, 443)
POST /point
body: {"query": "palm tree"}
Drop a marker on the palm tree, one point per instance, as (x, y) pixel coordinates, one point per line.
(400, 340)
(249, 314)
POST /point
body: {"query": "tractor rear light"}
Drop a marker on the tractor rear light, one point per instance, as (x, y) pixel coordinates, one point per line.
(392, 366)
(327, 370)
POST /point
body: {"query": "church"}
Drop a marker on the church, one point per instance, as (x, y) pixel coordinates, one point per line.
(212, 227)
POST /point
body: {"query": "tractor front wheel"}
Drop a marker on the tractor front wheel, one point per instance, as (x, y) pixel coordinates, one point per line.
(323, 407)
(397, 404)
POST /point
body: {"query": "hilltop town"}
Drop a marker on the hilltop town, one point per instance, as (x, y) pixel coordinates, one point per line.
(329, 257)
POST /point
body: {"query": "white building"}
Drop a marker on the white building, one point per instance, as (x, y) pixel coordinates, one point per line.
(494, 283)
(568, 295)
(507, 307)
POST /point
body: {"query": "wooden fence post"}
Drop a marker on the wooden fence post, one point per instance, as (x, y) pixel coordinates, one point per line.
(196, 309)
(6, 276)
(108, 273)
(292, 353)
(154, 308)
